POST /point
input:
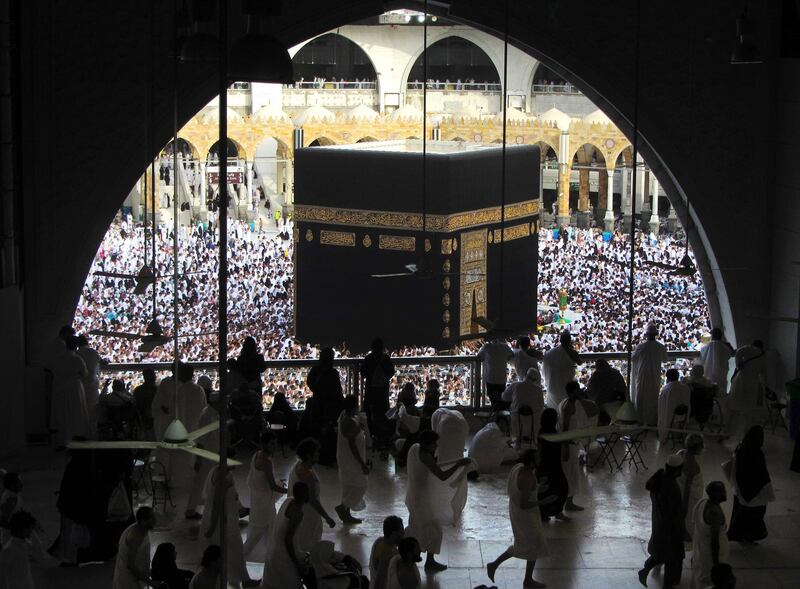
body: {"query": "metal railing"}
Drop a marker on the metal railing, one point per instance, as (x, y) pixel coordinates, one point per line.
(331, 85)
(457, 86)
(459, 376)
(555, 89)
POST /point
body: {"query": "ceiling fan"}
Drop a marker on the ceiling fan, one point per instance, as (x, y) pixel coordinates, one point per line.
(144, 278)
(152, 338)
(175, 438)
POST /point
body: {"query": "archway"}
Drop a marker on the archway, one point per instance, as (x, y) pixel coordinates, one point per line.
(272, 173)
(335, 60)
(321, 141)
(366, 139)
(546, 80)
(591, 167)
(454, 63)
(235, 152)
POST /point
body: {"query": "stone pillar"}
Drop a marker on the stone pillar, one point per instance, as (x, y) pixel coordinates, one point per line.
(641, 189)
(249, 185)
(584, 206)
(608, 218)
(626, 199)
(655, 222)
(541, 188)
(672, 219)
(564, 169)
(288, 174)
(602, 190)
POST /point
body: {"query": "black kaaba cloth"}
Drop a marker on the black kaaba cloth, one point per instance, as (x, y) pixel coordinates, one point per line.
(359, 211)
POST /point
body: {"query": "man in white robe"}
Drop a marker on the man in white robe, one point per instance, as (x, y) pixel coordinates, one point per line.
(525, 357)
(201, 466)
(715, 357)
(91, 382)
(574, 413)
(558, 368)
(190, 400)
(494, 356)
(452, 427)
(163, 410)
(527, 392)
(434, 497)
(646, 376)
(746, 404)
(672, 395)
(69, 412)
(489, 449)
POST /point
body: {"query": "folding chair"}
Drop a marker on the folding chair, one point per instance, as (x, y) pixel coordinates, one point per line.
(775, 410)
(680, 417)
(607, 454)
(160, 485)
(526, 412)
(633, 445)
(139, 477)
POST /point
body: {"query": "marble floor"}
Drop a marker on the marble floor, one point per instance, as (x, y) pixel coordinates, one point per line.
(601, 547)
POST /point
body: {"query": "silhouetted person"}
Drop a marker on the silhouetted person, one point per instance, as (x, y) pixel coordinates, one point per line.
(377, 372)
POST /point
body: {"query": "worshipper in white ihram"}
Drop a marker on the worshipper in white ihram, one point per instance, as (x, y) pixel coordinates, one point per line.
(558, 368)
(202, 467)
(691, 480)
(673, 394)
(285, 561)
(263, 494)
(91, 382)
(69, 411)
(525, 357)
(434, 497)
(403, 572)
(646, 376)
(746, 406)
(489, 448)
(574, 413)
(709, 535)
(310, 530)
(494, 356)
(526, 393)
(526, 521)
(351, 456)
(163, 410)
(452, 428)
(715, 357)
(190, 400)
(210, 525)
(132, 566)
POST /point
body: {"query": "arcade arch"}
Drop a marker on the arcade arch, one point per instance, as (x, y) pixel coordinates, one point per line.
(454, 61)
(332, 58)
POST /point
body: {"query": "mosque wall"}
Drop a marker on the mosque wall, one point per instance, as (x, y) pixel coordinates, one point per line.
(705, 126)
(785, 292)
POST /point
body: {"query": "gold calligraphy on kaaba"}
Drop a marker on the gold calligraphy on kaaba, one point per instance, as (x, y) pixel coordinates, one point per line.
(342, 238)
(511, 233)
(413, 221)
(401, 243)
(473, 278)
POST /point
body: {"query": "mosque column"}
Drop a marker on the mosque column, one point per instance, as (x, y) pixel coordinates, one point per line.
(203, 208)
(626, 199)
(608, 218)
(564, 170)
(602, 189)
(288, 174)
(541, 188)
(641, 189)
(584, 207)
(249, 184)
(655, 222)
(672, 219)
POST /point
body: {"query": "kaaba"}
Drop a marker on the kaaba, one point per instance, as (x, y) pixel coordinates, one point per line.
(359, 212)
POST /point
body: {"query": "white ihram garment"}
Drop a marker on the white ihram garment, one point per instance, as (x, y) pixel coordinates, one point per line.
(123, 578)
(646, 380)
(91, 382)
(237, 568)
(310, 530)
(746, 405)
(189, 405)
(352, 479)
(671, 396)
(489, 448)
(432, 503)
(522, 361)
(558, 368)
(392, 580)
(262, 511)
(453, 429)
(279, 570)
(530, 393)
(715, 357)
(579, 419)
(702, 560)
(69, 411)
(210, 442)
(529, 541)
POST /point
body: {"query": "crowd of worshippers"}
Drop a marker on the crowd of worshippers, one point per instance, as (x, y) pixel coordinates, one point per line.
(588, 263)
(427, 442)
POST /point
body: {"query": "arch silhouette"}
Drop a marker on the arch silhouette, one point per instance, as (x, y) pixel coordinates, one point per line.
(235, 149)
(320, 141)
(442, 56)
(331, 56)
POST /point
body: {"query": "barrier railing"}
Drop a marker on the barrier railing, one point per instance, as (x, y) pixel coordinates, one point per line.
(459, 376)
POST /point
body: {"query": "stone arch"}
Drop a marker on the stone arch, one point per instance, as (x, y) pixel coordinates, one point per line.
(358, 51)
(320, 141)
(235, 149)
(475, 37)
(596, 152)
(366, 139)
(545, 148)
(185, 147)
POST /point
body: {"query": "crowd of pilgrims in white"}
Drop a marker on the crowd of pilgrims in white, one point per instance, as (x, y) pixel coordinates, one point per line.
(260, 299)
